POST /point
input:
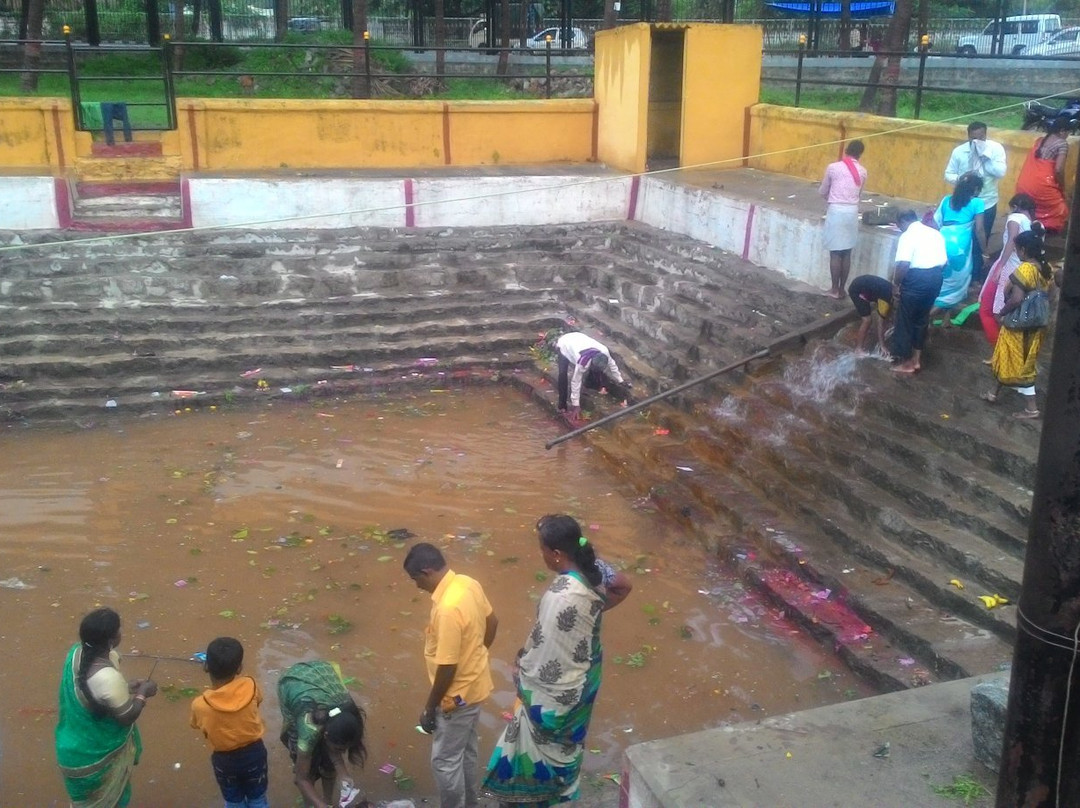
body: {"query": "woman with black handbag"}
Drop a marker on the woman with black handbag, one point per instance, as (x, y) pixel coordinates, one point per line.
(1023, 324)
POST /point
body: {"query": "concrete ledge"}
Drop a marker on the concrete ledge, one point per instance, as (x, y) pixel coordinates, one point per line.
(771, 220)
(822, 757)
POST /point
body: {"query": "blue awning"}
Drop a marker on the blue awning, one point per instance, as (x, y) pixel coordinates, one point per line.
(831, 8)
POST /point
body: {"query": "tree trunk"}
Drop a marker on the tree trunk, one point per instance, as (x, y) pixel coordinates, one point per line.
(886, 69)
(440, 41)
(178, 34)
(281, 19)
(361, 86)
(196, 15)
(609, 14)
(32, 49)
(504, 39)
(845, 25)
(663, 11)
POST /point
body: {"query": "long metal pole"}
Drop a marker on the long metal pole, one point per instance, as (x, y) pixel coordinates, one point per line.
(799, 337)
(1042, 727)
(607, 419)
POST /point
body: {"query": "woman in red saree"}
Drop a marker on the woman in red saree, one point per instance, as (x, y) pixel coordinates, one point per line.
(1042, 177)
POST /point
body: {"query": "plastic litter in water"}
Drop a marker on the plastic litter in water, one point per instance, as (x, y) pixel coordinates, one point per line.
(15, 583)
(111, 404)
(247, 374)
(388, 768)
(427, 360)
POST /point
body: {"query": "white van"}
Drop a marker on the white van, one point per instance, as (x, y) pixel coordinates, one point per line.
(1017, 33)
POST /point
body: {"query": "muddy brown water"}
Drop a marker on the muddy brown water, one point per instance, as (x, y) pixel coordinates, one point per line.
(273, 525)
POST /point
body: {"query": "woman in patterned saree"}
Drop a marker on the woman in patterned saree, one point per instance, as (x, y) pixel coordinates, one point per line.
(537, 761)
(97, 742)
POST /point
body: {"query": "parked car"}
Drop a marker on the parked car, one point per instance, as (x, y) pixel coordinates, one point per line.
(1017, 34)
(1065, 42)
(578, 40)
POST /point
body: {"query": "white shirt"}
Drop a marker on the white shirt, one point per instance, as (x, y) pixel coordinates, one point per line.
(572, 346)
(983, 157)
(921, 247)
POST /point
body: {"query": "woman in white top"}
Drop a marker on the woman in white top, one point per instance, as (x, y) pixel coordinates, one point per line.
(992, 295)
(97, 742)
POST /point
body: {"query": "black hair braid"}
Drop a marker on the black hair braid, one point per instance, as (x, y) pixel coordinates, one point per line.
(1031, 242)
(96, 632)
(585, 558)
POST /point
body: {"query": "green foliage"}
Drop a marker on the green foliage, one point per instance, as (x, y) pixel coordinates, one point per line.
(964, 787)
(211, 57)
(478, 89)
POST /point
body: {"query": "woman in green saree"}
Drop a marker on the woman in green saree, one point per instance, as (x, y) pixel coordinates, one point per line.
(97, 742)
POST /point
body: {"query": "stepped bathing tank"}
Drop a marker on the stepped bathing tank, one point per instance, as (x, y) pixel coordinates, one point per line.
(339, 392)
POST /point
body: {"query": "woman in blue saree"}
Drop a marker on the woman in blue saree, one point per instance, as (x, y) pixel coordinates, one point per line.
(97, 742)
(959, 217)
(537, 761)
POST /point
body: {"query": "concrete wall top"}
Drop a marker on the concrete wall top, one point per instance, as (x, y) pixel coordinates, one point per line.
(904, 158)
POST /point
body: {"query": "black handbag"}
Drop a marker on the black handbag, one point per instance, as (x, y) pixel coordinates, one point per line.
(1033, 312)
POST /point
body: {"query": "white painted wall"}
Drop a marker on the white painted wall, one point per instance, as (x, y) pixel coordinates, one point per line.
(28, 203)
(323, 202)
(787, 242)
(487, 201)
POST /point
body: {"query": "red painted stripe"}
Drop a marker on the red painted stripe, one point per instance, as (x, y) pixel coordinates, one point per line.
(58, 133)
(635, 183)
(185, 203)
(193, 133)
(410, 212)
(90, 190)
(748, 233)
(447, 159)
(595, 132)
(140, 149)
(746, 137)
(63, 201)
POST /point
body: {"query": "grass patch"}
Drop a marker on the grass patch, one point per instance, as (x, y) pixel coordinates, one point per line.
(964, 787)
(478, 89)
(935, 106)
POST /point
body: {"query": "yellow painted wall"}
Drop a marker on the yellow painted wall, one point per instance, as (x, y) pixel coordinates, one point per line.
(519, 132)
(28, 132)
(251, 135)
(721, 80)
(909, 164)
(621, 87)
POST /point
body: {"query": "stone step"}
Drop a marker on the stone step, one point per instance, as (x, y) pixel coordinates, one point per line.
(126, 168)
(185, 356)
(132, 206)
(901, 625)
(36, 329)
(974, 497)
(83, 406)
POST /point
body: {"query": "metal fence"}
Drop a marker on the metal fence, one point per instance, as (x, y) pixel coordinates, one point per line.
(1005, 77)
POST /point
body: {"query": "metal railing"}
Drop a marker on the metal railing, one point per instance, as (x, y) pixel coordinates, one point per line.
(360, 67)
(920, 86)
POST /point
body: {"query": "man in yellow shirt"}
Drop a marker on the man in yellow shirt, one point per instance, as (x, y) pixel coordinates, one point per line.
(456, 641)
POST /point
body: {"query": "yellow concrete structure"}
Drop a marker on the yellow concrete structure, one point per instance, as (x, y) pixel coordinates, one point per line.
(904, 158)
(675, 94)
(254, 135)
(621, 89)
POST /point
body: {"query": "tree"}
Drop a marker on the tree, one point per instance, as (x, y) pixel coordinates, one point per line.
(281, 19)
(32, 49)
(504, 39)
(886, 68)
(361, 84)
(440, 40)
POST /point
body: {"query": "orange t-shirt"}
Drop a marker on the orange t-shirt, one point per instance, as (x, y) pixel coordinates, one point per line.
(229, 715)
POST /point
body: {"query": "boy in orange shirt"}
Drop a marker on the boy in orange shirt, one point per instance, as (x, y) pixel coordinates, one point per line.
(228, 715)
